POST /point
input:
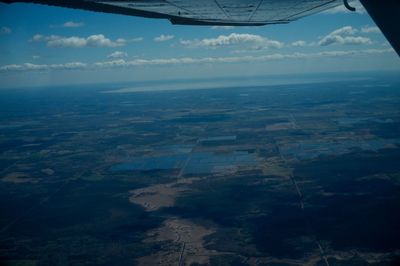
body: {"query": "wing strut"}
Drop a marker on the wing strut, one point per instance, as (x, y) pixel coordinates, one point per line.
(386, 14)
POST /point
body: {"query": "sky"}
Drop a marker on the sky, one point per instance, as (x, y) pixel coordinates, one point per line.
(46, 46)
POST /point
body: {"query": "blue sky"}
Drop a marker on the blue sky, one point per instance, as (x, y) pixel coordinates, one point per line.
(41, 45)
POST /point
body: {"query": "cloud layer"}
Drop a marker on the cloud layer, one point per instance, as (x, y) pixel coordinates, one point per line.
(121, 63)
(299, 43)
(344, 35)
(98, 40)
(254, 41)
(36, 67)
(72, 24)
(368, 29)
(163, 38)
(117, 54)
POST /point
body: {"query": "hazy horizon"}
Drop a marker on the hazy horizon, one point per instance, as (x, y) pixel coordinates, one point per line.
(46, 46)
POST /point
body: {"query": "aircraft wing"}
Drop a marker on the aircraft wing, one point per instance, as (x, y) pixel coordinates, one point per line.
(203, 12)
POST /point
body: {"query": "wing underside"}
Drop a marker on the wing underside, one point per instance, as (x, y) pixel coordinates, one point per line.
(203, 12)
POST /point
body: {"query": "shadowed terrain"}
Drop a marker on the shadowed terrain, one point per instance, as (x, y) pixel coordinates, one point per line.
(302, 174)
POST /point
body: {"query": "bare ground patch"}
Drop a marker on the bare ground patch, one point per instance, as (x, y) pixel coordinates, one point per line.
(158, 196)
(18, 178)
(187, 243)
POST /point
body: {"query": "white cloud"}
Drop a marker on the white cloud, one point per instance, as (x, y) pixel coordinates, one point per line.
(349, 30)
(35, 57)
(101, 41)
(117, 54)
(98, 40)
(299, 43)
(121, 63)
(36, 67)
(341, 9)
(341, 36)
(138, 39)
(336, 39)
(72, 24)
(255, 41)
(73, 42)
(112, 63)
(368, 29)
(37, 38)
(236, 59)
(5, 30)
(163, 38)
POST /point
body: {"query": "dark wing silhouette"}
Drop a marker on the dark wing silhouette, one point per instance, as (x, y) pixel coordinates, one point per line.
(386, 14)
(202, 12)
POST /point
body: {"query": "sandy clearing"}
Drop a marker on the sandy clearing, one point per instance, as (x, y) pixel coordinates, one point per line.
(182, 233)
(18, 178)
(158, 196)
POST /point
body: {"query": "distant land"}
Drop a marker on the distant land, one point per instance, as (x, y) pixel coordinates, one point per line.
(231, 171)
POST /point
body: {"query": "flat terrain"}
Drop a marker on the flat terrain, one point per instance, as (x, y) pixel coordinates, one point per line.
(304, 174)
